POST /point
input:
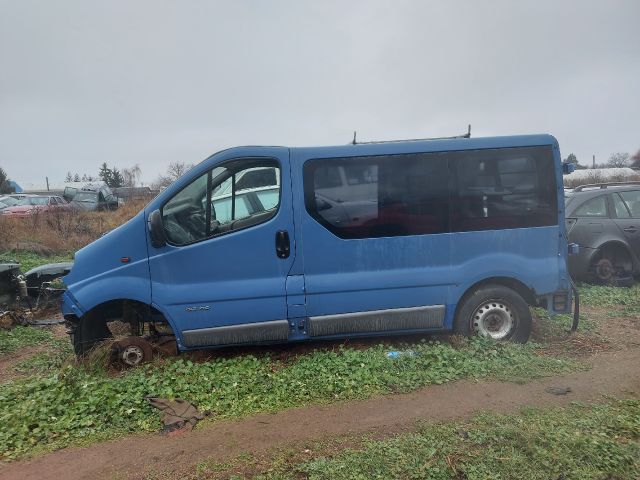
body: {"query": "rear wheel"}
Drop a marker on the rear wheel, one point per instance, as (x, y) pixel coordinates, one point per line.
(494, 311)
(613, 266)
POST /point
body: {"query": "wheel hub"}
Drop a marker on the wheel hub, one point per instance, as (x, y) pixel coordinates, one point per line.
(493, 319)
(132, 355)
(604, 269)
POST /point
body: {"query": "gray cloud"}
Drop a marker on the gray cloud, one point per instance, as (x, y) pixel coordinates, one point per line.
(151, 82)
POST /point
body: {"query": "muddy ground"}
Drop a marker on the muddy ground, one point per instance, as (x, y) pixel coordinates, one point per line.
(612, 351)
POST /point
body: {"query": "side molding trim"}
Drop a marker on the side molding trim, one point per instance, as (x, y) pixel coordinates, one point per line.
(272, 331)
(412, 318)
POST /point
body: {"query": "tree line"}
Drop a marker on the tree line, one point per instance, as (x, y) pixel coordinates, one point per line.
(616, 160)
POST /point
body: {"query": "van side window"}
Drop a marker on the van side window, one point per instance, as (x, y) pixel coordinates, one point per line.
(382, 196)
(503, 188)
(233, 196)
(428, 193)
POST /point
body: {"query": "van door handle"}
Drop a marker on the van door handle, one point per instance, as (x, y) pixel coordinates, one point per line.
(283, 246)
(631, 229)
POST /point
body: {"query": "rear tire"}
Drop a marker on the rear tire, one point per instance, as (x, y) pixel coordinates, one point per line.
(494, 311)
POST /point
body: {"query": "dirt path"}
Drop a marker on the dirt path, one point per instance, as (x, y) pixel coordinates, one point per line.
(613, 373)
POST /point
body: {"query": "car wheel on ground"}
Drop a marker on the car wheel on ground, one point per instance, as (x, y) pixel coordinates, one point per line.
(494, 311)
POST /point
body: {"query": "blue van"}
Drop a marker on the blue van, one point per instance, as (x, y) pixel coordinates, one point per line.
(274, 244)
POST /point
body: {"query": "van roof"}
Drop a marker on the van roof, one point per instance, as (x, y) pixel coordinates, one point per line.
(435, 145)
(410, 146)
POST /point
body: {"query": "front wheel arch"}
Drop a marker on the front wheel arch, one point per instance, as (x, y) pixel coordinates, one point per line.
(92, 328)
(618, 253)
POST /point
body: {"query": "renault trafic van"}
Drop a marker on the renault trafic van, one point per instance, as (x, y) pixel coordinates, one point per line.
(275, 244)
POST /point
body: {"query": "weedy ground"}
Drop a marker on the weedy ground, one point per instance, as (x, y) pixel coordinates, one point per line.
(577, 442)
(75, 403)
(56, 402)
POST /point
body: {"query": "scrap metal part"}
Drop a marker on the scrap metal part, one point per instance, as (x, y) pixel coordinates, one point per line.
(17, 292)
(9, 274)
(46, 273)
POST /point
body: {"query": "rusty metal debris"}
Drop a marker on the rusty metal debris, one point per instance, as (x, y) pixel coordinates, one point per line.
(22, 294)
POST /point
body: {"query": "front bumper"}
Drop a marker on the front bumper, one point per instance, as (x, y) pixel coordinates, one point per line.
(69, 306)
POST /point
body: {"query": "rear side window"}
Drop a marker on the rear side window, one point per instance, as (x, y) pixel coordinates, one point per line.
(632, 199)
(429, 193)
(620, 207)
(503, 188)
(595, 207)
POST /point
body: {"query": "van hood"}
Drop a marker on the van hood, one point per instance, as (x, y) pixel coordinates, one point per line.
(106, 256)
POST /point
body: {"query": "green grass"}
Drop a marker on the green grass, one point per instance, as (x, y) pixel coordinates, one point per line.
(605, 296)
(74, 405)
(59, 351)
(577, 442)
(29, 260)
(22, 337)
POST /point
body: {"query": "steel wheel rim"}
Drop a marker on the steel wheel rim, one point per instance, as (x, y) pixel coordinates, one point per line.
(493, 319)
(132, 355)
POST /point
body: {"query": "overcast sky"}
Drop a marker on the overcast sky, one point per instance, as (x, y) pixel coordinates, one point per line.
(150, 82)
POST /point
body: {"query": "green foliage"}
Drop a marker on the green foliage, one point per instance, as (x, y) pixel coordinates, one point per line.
(22, 337)
(581, 442)
(29, 260)
(111, 176)
(73, 404)
(58, 353)
(605, 296)
(4, 182)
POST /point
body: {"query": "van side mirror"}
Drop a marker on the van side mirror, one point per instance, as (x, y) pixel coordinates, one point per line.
(568, 168)
(156, 229)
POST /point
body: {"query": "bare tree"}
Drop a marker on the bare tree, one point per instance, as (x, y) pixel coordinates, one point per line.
(131, 175)
(174, 171)
(618, 160)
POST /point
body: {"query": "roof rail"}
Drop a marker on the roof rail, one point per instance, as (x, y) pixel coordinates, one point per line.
(465, 135)
(580, 188)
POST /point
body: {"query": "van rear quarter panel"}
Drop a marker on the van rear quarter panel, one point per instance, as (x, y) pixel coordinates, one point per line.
(530, 255)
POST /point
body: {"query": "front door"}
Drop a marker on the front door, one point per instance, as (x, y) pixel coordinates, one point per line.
(221, 278)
